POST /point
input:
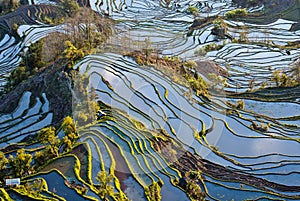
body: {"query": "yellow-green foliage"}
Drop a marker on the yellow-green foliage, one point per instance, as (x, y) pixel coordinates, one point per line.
(240, 12)
(193, 188)
(196, 135)
(17, 75)
(207, 48)
(32, 189)
(219, 23)
(217, 80)
(3, 162)
(4, 195)
(48, 20)
(121, 197)
(46, 135)
(69, 128)
(194, 10)
(212, 47)
(203, 130)
(21, 163)
(152, 192)
(194, 191)
(70, 6)
(105, 188)
(72, 53)
(283, 80)
(191, 64)
(85, 107)
(89, 165)
(240, 104)
(198, 85)
(138, 124)
(77, 167)
(259, 127)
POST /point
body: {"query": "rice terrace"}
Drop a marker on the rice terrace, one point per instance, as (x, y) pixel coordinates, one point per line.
(149, 100)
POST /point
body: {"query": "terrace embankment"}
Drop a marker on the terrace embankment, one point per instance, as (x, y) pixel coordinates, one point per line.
(174, 66)
(54, 82)
(29, 15)
(122, 171)
(184, 161)
(273, 9)
(266, 3)
(206, 67)
(280, 94)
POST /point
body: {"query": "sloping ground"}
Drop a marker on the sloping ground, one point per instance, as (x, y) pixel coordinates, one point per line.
(273, 94)
(260, 55)
(188, 161)
(159, 104)
(84, 3)
(50, 81)
(18, 31)
(29, 15)
(206, 67)
(81, 3)
(273, 9)
(28, 118)
(236, 161)
(267, 3)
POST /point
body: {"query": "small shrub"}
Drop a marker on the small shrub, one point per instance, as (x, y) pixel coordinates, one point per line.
(240, 12)
(15, 27)
(240, 104)
(191, 64)
(194, 10)
(200, 52)
(153, 192)
(283, 80)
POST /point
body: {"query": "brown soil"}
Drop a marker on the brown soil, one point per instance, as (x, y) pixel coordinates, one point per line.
(185, 161)
(122, 171)
(270, 4)
(52, 81)
(28, 15)
(206, 67)
(273, 9)
(81, 3)
(154, 59)
(82, 154)
(295, 27)
(64, 165)
(201, 22)
(173, 68)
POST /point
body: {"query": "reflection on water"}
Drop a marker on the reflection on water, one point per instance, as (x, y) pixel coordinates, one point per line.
(149, 97)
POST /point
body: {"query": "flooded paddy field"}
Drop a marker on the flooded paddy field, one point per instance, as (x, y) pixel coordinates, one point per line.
(240, 142)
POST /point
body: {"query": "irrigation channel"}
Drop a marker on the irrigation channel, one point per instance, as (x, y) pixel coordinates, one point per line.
(143, 94)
